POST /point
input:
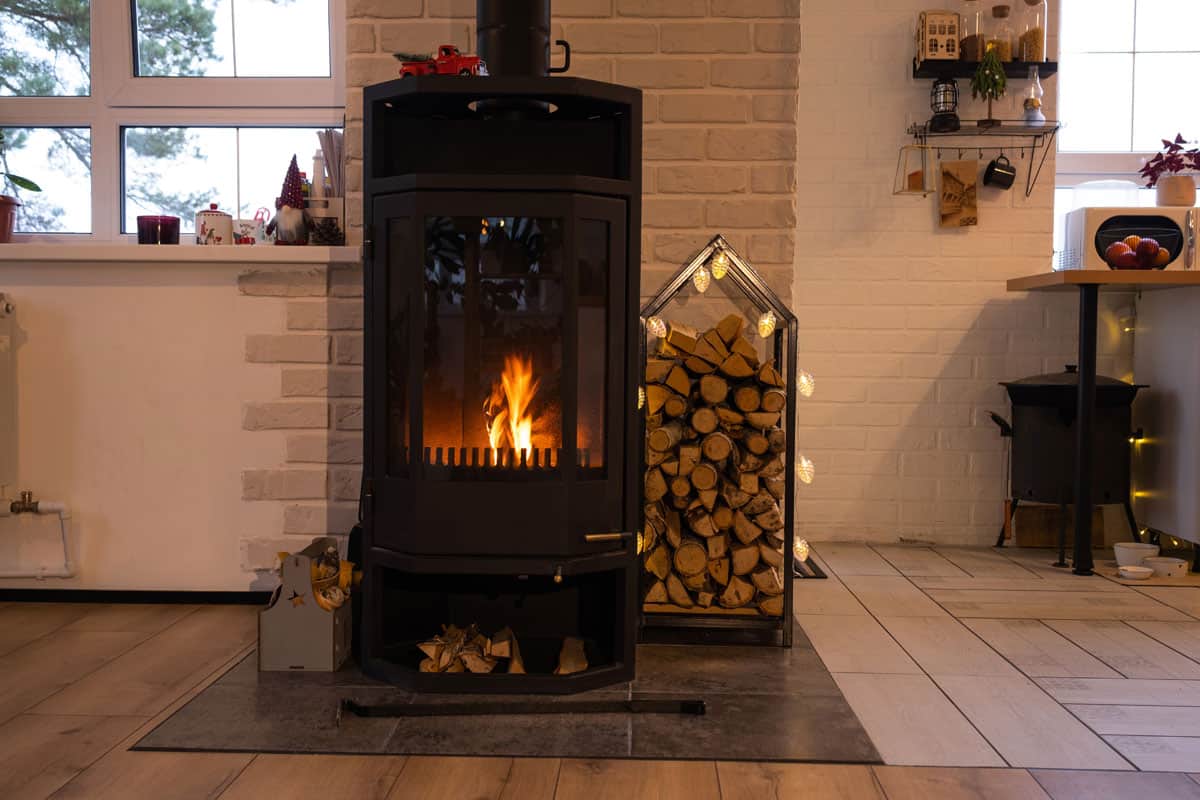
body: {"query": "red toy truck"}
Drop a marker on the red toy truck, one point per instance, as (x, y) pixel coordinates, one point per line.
(448, 61)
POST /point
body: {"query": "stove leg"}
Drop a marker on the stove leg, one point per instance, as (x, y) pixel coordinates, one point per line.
(1133, 526)
(1062, 537)
(1012, 513)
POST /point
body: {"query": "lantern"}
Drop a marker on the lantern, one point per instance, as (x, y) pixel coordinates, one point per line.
(943, 100)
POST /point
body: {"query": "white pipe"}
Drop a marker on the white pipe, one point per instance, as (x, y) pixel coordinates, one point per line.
(68, 569)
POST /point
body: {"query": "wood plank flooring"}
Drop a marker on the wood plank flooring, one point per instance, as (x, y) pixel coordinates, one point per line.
(977, 673)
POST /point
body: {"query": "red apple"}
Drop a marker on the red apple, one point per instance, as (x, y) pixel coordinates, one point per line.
(1147, 252)
(1125, 261)
(1116, 250)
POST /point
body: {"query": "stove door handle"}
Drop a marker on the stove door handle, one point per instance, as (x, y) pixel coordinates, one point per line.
(593, 538)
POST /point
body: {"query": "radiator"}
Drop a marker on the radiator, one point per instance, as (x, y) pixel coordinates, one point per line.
(8, 395)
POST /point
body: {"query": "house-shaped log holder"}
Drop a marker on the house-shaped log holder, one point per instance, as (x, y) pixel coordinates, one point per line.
(296, 634)
(719, 456)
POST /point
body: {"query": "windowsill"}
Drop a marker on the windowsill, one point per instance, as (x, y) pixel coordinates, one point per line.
(174, 254)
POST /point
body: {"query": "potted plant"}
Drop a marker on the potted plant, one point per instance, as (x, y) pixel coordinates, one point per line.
(1172, 172)
(989, 83)
(8, 203)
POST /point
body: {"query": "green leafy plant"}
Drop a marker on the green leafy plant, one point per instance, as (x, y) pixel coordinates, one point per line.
(989, 81)
(15, 180)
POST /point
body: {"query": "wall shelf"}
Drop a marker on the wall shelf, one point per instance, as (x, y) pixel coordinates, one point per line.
(965, 69)
(1014, 136)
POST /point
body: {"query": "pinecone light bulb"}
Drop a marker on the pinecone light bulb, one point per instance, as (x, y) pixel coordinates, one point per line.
(800, 550)
(641, 397)
(657, 327)
(720, 265)
(806, 383)
(766, 324)
(806, 470)
(702, 279)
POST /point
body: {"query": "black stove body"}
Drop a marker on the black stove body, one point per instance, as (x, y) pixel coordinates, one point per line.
(502, 218)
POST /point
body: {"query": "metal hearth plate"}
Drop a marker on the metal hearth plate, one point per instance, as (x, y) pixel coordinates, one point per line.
(762, 704)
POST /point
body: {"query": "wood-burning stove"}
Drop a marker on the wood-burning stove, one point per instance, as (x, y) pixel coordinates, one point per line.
(500, 432)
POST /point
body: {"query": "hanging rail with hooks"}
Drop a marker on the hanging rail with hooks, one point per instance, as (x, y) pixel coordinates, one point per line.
(1039, 137)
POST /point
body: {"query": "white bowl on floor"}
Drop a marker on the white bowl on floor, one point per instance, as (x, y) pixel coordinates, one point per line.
(1133, 573)
(1130, 554)
(1166, 567)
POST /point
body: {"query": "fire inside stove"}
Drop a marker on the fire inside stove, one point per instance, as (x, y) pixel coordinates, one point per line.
(495, 366)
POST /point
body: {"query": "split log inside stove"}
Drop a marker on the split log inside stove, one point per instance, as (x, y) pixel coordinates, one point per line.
(714, 534)
(458, 650)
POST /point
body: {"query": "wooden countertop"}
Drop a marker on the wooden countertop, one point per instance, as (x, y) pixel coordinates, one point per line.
(1121, 278)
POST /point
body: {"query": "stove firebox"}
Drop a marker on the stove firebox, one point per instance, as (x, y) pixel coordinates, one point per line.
(500, 430)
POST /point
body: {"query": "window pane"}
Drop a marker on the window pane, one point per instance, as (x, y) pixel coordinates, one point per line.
(181, 170)
(45, 48)
(233, 38)
(592, 333)
(1167, 25)
(1091, 26)
(1096, 101)
(264, 156)
(1157, 111)
(59, 160)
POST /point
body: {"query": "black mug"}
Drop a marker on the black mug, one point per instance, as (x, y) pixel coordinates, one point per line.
(1000, 173)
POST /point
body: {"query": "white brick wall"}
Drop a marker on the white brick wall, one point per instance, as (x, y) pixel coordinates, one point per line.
(908, 327)
(720, 134)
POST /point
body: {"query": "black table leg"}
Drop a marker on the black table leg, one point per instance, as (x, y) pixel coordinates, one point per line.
(1088, 300)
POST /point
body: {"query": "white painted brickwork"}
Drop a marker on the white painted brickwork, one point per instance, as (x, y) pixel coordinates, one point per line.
(908, 328)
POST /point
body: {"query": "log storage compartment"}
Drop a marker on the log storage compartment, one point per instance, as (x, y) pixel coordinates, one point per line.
(500, 480)
(718, 466)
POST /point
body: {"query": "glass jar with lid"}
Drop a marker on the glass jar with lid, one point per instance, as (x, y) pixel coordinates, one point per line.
(1000, 34)
(1031, 44)
(970, 47)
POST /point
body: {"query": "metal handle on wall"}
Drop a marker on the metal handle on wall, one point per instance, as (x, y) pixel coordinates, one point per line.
(566, 57)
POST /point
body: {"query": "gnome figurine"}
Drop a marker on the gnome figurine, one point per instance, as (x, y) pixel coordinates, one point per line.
(291, 221)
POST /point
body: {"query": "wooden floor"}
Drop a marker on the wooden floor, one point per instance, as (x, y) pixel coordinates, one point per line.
(977, 674)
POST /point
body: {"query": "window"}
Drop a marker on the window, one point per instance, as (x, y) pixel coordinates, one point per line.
(183, 103)
(1124, 72)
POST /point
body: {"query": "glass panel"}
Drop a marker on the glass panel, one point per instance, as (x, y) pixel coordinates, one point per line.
(1167, 25)
(1098, 26)
(233, 38)
(59, 161)
(181, 170)
(1097, 97)
(1157, 112)
(45, 48)
(493, 346)
(592, 390)
(399, 255)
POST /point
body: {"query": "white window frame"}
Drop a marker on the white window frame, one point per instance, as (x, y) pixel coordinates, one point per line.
(1075, 167)
(119, 100)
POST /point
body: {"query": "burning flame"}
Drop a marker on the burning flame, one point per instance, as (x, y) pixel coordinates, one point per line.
(506, 411)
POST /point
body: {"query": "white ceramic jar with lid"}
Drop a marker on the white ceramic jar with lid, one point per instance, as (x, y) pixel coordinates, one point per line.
(213, 227)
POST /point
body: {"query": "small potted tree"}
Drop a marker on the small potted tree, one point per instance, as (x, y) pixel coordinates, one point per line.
(8, 203)
(1172, 172)
(989, 83)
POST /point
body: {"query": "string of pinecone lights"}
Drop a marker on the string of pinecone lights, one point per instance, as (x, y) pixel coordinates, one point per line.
(716, 269)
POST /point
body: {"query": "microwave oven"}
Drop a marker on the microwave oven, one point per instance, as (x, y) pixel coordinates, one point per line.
(1090, 231)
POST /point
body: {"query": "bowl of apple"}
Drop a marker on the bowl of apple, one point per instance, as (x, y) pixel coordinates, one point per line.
(1137, 252)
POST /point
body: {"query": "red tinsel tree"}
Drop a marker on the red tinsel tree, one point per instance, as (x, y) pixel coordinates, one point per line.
(292, 193)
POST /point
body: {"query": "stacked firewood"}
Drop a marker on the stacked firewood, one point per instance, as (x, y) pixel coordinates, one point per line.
(715, 477)
(467, 650)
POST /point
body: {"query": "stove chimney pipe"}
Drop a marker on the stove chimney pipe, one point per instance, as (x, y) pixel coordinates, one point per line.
(514, 36)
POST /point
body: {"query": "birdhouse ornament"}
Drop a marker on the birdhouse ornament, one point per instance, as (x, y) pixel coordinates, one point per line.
(291, 223)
